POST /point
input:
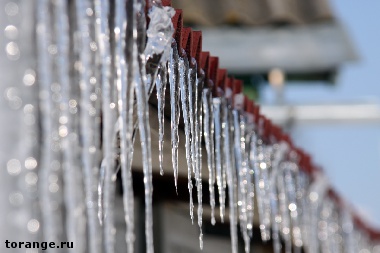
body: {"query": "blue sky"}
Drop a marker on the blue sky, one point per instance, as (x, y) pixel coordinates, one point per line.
(350, 154)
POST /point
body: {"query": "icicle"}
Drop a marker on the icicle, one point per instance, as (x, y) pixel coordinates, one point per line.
(161, 87)
(262, 188)
(316, 194)
(88, 118)
(283, 199)
(217, 104)
(125, 122)
(174, 104)
(50, 172)
(348, 231)
(274, 210)
(193, 109)
(183, 68)
(208, 135)
(302, 183)
(231, 177)
(250, 134)
(106, 189)
(140, 83)
(196, 85)
(290, 172)
(239, 149)
(72, 177)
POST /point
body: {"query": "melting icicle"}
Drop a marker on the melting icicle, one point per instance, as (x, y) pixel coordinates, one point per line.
(183, 69)
(231, 177)
(208, 135)
(161, 87)
(174, 104)
(217, 104)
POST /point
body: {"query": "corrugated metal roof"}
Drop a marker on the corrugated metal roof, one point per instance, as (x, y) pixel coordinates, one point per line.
(254, 12)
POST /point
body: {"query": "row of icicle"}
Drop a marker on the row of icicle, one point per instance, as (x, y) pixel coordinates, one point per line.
(98, 64)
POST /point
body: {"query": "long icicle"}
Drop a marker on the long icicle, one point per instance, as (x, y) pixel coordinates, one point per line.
(231, 178)
(208, 122)
(83, 12)
(174, 105)
(217, 105)
(125, 123)
(197, 135)
(74, 198)
(239, 149)
(140, 81)
(107, 185)
(50, 163)
(183, 69)
(161, 87)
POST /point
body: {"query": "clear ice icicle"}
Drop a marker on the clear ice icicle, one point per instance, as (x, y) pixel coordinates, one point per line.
(196, 122)
(161, 88)
(125, 89)
(284, 210)
(106, 189)
(249, 175)
(174, 107)
(262, 189)
(316, 194)
(50, 161)
(183, 68)
(217, 105)
(239, 150)
(231, 177)
(208, 136)
(72, 177)
(140, 84)
(87, 121)
(274, 210)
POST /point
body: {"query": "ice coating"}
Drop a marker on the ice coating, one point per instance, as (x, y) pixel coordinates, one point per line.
(159, 32)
